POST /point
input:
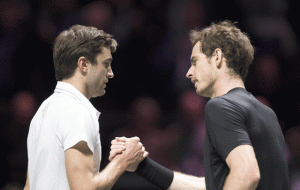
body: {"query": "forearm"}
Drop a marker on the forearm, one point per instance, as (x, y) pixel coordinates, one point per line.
(106, 179)
(240, 181)
(184, 181)
(27, 183)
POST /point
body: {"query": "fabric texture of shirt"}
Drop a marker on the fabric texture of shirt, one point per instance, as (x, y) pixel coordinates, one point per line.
(64, 119)
(238, 118)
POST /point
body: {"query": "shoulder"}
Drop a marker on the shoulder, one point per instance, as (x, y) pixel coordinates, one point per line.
(75, 109)
(224, 108)
(67, 103)
(214, 103)
(70, 110)
(219, 104)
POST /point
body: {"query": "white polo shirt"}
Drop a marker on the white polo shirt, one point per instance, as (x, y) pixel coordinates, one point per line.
(64, 119)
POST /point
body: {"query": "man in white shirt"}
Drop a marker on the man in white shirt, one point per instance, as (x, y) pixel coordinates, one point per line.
(64, 149)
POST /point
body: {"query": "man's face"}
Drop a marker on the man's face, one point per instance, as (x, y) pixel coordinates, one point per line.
(201, 72)
(100, 73)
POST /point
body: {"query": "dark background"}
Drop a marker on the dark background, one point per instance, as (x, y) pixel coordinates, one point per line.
(149, 96)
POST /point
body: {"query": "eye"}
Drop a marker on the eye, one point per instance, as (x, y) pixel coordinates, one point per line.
(194, 62)
(106, 64)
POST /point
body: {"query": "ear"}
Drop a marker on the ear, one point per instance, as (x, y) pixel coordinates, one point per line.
(83, 64)
(218, 57)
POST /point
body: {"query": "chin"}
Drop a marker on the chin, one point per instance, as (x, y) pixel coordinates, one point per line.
(99, 94)
(202, 93)
(102, 93)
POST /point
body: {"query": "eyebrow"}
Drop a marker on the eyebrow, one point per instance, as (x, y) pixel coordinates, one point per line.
(108, 59)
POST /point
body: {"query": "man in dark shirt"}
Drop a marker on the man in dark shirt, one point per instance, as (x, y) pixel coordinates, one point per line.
(244, 144)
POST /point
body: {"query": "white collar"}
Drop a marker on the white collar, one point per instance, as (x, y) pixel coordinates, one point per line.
(62, 87)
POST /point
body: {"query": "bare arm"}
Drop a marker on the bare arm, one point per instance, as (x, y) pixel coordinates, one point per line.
(27, 182)
(180, 180)
(244, 171)
(79, 166)
(184, 181)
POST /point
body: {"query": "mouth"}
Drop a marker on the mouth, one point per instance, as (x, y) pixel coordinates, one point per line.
(194, 81)
(105, 84)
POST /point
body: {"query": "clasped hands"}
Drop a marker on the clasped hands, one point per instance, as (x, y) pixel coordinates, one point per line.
(131, 149)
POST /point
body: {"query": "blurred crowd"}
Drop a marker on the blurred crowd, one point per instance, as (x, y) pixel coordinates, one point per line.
(149, 96)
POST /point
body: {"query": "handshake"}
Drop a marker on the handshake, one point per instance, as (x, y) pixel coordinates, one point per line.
(130, 150)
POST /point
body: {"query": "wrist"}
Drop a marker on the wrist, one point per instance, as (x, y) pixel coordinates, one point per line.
(120, 163)
(155, 173)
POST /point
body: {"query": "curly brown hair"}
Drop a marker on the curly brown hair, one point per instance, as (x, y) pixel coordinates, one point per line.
(75, 42)
(235, 45)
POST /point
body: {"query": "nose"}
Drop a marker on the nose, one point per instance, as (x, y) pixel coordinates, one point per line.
(189, 74)
(110, 74)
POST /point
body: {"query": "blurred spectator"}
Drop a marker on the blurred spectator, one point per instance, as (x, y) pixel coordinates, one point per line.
(145, 122)
(268, 72)
(267, 20)
(183, 17)
(14, 15)
(120, 25)
(191, 109)
(23, 107)
(98, 14)
(264, 100)
(55, 16)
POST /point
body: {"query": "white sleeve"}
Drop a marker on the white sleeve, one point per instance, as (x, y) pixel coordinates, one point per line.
(77, 125)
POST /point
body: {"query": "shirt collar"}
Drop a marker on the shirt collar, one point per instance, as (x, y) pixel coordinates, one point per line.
(63, 87)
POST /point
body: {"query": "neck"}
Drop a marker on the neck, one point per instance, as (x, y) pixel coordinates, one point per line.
(224, 86)
(78, 83)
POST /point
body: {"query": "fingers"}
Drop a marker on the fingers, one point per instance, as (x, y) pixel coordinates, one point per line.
(121, 139)
(115, 143)
(133, 145)
(140, 145)
(113, 153)
(136, 138)
(142, 153)
(145, 154)
(117, 147)
(124, 139)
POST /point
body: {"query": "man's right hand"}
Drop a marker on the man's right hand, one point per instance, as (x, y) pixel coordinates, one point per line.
(129, 149)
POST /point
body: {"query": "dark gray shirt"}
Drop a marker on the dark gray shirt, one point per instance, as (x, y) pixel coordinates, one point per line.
(238, 118)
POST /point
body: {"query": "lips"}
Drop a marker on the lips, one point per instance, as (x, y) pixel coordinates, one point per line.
(194, 81)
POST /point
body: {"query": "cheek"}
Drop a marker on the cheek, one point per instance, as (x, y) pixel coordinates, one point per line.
(201, 74)
(204, 75)
(101, 75)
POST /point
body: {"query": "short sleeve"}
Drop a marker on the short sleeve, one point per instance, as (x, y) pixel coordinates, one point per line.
(77, 125)
(225, 125)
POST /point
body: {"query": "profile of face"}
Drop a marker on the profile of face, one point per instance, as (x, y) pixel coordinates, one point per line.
(99, 74)
(202, 72)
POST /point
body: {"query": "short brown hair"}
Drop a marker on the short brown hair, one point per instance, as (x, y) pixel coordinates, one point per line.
(75, 42)
(235, 45)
